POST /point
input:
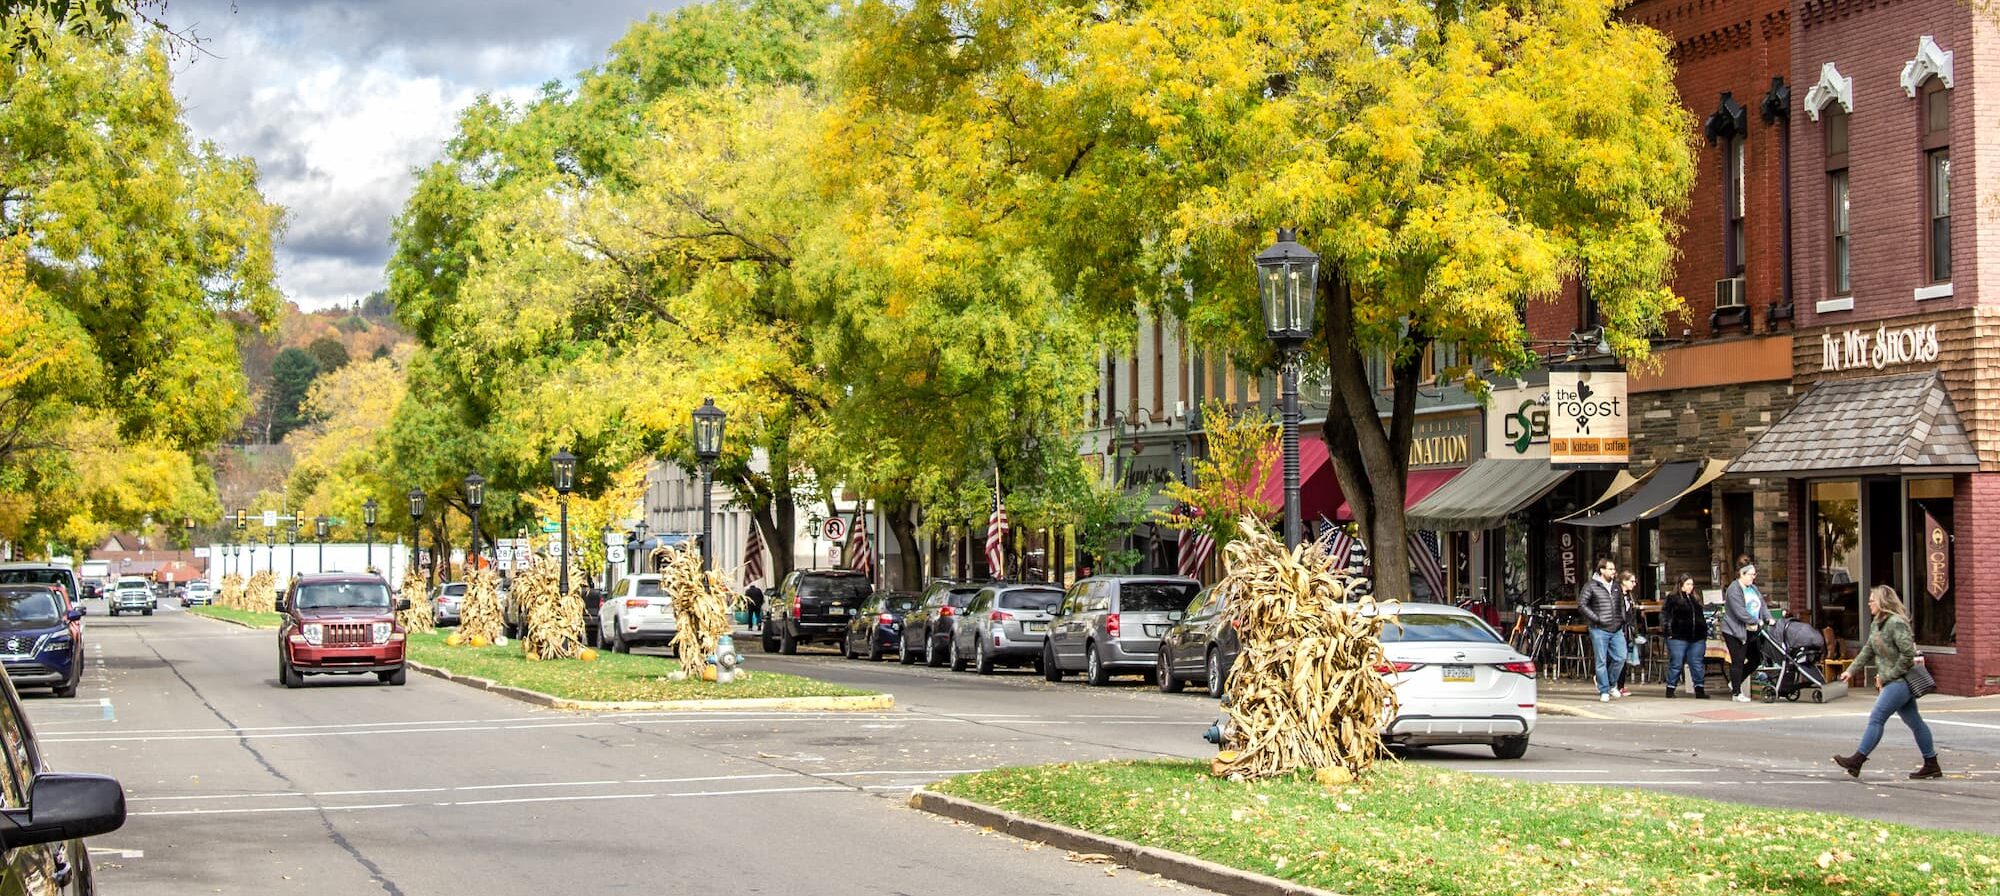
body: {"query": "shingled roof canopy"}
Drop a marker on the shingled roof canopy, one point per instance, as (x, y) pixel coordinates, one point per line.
(1877, 425)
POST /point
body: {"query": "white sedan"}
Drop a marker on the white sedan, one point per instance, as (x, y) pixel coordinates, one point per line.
(1457, 681)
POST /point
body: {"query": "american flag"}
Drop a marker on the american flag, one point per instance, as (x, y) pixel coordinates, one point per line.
(1426, 560)
(1339, 541)
(859, 555)
(996, 539)
(753, 556)
(1196, 546)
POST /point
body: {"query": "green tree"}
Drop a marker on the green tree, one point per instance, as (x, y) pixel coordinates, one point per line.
(292, 375)
(329, 352)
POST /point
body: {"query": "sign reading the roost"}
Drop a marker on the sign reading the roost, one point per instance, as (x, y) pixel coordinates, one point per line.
(1587, 418)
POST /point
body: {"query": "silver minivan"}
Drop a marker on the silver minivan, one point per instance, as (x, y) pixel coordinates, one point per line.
(1111, 625)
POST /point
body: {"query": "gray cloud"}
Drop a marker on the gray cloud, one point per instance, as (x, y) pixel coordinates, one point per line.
(339, 100)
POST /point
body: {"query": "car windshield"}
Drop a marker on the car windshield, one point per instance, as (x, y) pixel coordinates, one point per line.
(1029, 599)
(1437, 627)
(34, 577)
(28, 607)
(901, 605)
(960, 597)
(454, 590)
(647, 588)
(1155, 597)
(132, 585)
(835, 587)
(344, 595)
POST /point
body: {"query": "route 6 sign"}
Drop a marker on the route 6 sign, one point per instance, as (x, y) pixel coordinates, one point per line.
(834, 529)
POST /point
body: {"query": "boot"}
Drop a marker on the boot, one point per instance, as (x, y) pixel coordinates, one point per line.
(1701, 693)
(1851, 763)
(1930, 770)
(1670, 692)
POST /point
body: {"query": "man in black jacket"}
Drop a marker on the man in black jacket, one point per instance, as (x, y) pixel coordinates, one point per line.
(1603, 607)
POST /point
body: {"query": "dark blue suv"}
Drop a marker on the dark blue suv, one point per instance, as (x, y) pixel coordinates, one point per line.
(41, 639)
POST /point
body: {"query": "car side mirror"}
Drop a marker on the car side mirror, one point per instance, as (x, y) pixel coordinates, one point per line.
(75, 613)
(64, 807)
(279, 605)
(1052, 609)
(1176, 616)
(402, 605)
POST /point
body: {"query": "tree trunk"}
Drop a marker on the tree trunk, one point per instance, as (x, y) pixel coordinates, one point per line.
(910, 571)
(1372, 463)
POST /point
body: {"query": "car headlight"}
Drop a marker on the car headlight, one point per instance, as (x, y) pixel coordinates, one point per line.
(314, 632)
(381, 632)
(57, 642)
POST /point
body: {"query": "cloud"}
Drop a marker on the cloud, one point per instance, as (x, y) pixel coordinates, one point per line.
(339, 101)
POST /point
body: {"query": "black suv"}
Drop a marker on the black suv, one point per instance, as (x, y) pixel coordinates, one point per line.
(812, 605)
(47, 813)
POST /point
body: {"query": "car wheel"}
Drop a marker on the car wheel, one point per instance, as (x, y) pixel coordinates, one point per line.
(1094, 672)
(1511, 747)
(1164, 675)
(114, 612)
(287, 675)
(618, 642)
(932, 655)
(1215, 676)
(149, 611)
(767, 639)
(66, 690)
(985, 659)
(394, 679)
(958, 661)
(874, 650)
(1050, 671)
(847, 648)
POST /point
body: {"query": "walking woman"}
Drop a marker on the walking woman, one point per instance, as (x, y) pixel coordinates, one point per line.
(1893, 650)
(1687, 637)
(1742, 616)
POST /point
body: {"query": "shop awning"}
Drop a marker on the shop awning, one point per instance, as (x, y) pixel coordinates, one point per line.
(1418, 485)
(1619, 483)
(1319, 489)
(1884, 424)
(1665, 486)
(1481, 496)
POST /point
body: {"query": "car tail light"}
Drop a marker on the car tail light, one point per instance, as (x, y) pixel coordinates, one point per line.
(1000, 616)
(886, 619)
(1399, 667)
(1111, 625)
(1524, 667)
(795, 610)
(637, 603)
(944, 611)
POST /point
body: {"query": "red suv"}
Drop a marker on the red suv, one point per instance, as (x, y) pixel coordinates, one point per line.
(340, 625)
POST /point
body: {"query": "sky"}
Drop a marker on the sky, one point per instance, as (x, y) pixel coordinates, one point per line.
(338, 100)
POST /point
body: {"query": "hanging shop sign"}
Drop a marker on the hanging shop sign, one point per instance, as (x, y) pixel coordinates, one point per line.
(1587, 418)
(1937, 558)
(1517, 423)
(1861, 350)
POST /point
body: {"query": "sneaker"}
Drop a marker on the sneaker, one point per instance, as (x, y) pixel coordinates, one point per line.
(1741, 698)
(1622, 692)
(1604, 698)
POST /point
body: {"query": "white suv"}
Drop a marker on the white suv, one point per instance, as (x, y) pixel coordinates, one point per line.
(636, 613)
(197, 594)
(133, 593)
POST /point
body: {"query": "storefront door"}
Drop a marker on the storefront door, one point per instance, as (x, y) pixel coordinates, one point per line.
(1868, 532)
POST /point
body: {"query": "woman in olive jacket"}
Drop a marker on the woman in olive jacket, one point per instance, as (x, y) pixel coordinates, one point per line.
(1893, 650)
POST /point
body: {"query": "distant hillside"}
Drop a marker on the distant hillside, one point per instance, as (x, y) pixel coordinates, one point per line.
(281, 364)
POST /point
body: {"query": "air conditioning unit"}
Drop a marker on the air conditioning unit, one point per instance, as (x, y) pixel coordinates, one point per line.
(1729, 293)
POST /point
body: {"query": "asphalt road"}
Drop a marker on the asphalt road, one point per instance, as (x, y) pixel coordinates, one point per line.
(239, 786)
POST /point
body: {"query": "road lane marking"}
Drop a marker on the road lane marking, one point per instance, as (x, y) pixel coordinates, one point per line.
(1965, 724)
(941, 771)
(273, 810)
(473, 788)
(546, 784)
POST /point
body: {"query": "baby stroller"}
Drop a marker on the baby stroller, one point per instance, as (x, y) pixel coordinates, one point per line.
(1791, 654)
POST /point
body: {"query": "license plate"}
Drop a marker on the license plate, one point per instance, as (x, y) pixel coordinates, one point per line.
(1458, 673)
(1034, 627)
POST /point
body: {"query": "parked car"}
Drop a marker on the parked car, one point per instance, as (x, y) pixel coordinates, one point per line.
(445, 605)
(812, 605)
(132, 595)
(636, 614)
(198, 593)
(41, 638)
(879, 625)
(927, 629)
(1003, 625)
(340, 624)
(49, 813)
(1111, 625)
(55, 574)
(1457, 681)
(1201, 647)
(93, 588)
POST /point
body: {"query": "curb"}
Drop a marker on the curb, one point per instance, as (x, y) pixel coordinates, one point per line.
(1564, 709)
(1144, 859)
(785, 704)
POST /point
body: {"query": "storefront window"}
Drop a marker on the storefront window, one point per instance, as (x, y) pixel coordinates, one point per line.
(1934, 616)
(1836, 557)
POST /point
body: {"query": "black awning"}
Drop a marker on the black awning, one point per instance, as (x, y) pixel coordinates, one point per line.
(1661, 490)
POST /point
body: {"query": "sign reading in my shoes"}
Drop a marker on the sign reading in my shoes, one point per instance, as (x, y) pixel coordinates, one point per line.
(1859, 349)
(1587, 418)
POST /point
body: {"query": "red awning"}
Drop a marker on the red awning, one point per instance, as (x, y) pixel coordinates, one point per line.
(1319, 489)
(1417, 487)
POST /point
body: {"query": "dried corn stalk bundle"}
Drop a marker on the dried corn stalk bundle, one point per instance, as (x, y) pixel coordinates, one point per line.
(479, 617)
(701, 604)
(1304, 693)
(259, 594)
(418, 617)
(232, 594)
(553, 620)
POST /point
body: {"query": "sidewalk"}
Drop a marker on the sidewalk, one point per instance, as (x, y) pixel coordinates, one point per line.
(1648, 703)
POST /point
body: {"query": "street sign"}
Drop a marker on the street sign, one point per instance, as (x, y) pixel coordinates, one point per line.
(551, 527)
(270, 519)
(615, 553)
(834, 528)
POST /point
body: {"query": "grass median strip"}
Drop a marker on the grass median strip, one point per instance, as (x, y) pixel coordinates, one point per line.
(1412, 829)
(615, 677)
(250, 618)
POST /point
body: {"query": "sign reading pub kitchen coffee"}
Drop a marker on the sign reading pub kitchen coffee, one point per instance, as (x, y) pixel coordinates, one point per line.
(1587, 418)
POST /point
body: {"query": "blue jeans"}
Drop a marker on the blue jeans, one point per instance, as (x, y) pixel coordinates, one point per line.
(1609, 649)
(1688, 653)
(1896, 700)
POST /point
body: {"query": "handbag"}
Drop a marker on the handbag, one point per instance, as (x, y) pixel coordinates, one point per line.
(1920, 681)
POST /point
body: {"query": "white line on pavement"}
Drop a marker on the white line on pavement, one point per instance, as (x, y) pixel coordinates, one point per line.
(265, 810)
(1965, 724)
(924, 773)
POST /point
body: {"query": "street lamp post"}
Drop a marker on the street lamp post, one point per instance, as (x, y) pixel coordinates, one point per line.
(475, 497)
(320, 529)
(416, 496)
(270, 552)
(368, 509)
(565, 476)
(1287, 284)
(708, 421)
(292, 547)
